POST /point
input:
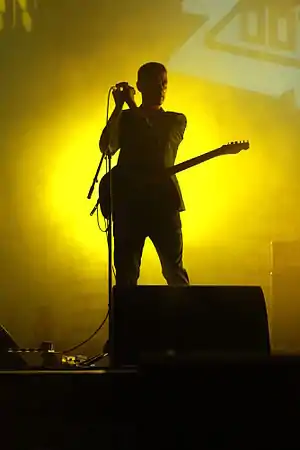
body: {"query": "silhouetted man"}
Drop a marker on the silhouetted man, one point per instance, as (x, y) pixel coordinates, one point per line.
(148, 138)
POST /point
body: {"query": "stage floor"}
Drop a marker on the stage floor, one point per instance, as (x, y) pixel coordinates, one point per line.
(254, 404)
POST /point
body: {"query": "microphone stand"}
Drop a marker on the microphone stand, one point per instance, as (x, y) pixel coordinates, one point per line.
(95, 180)
(110, 349)
(110, 267)
(94, 359)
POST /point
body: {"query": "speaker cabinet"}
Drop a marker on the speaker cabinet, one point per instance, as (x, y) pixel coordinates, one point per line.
(187, 320)
(285, 299)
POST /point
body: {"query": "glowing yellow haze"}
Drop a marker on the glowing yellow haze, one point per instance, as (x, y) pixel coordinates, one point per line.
(215, 193)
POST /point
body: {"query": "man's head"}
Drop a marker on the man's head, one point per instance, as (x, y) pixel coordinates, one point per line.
(152, 83)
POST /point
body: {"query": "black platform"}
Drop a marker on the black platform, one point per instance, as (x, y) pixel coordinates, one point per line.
(213, 404)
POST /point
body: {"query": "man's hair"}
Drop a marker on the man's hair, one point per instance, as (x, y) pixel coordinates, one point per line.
(150, 68)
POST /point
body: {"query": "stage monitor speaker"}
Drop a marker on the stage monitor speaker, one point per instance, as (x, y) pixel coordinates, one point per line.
(9, 361)
(187, 320)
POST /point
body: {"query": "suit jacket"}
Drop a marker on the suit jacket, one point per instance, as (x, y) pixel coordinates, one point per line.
(147, 146)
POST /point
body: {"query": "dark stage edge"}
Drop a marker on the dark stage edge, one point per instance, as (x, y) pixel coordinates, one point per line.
(212, 404)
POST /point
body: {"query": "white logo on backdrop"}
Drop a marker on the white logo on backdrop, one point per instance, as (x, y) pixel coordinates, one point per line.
(252, 45)
(10, 10)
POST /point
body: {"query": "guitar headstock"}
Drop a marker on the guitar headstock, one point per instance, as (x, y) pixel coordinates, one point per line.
(232, 148)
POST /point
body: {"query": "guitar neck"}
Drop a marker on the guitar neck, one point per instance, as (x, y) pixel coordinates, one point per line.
(194, 161)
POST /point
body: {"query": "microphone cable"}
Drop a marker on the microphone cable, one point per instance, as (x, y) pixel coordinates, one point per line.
(75, 347)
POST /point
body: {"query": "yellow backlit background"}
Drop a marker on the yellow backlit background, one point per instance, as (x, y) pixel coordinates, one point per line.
(54, 257)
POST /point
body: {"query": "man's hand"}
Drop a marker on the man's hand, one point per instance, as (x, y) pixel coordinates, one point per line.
(129, 96)
(119, 99)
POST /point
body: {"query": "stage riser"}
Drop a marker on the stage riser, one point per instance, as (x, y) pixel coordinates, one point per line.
(213, 405)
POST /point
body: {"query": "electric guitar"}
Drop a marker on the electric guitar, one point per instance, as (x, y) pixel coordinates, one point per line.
(119, 183)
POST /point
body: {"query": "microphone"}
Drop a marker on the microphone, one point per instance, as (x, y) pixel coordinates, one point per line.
(123, 85)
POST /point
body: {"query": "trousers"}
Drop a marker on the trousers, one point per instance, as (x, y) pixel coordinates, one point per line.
(131, 227)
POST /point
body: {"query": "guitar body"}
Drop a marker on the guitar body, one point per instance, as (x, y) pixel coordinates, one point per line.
(104, 191)
(157, 189)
